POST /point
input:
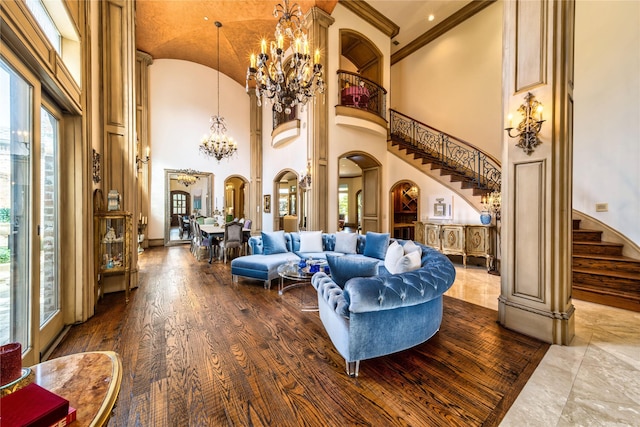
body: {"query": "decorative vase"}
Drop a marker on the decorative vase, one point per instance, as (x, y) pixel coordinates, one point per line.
(485, 217)
(10, 362)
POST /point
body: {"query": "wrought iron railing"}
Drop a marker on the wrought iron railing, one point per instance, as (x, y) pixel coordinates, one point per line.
(359, 92)
(448, 151)
(283, 117)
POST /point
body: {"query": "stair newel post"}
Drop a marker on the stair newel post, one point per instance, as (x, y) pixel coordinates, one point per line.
(443, 147)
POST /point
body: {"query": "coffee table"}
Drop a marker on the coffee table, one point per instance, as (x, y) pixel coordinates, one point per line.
(299, 276)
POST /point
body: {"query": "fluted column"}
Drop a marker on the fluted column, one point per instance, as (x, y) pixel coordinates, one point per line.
(255, 144)
(318, 23)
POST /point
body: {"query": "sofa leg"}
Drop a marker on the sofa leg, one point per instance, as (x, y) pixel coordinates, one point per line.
(267, 284)
(234, 278)
(353, 368)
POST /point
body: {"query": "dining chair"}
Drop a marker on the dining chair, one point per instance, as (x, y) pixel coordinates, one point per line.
(233, 238)
(246, 235)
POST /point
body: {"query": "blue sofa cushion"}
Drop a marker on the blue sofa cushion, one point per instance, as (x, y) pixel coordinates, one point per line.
(344, 268)
(376, 245)
(273, 242)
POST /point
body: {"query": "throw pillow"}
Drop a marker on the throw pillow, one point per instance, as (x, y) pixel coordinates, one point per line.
(394, 253)
(311, 241)
(344, 268)
(273, 242)
(376, 245)
(408, 262)
(346, 243)
(410, 246)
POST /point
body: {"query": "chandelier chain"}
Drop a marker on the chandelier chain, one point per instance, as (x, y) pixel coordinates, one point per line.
(217, 144)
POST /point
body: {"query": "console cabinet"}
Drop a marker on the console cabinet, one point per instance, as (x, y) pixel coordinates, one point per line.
(459, 239)
(112, 241)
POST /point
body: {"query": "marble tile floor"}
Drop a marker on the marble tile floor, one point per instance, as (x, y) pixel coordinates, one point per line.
(594, 381)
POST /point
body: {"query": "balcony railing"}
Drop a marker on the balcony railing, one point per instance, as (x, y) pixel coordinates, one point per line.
(283, 117)
(359, 92)
(448, 151)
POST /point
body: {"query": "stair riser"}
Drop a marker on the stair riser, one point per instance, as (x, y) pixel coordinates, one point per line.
(604, 264)
(596, 249)
(587, 236)
(626, 303)
(576, 223)
(586, 281)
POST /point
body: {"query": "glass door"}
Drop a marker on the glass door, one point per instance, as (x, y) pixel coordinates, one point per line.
(16, 140)
(50, 314)
(30, 297)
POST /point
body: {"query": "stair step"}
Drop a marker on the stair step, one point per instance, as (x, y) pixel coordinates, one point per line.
(601, 248)
(613, 281)
(599, 296)
(576, 223)
(606, 262)
(583, 235)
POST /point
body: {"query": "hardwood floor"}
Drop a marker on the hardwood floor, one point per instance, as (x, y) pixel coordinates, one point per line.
(198, 350)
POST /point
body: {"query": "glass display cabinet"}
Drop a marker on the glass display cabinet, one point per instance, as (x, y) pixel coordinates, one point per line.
(112, 240)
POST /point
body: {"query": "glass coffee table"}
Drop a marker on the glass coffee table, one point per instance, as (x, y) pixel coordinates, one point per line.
(293, 272)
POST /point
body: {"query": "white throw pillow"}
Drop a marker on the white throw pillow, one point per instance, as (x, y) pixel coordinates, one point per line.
(408, 262)
(346, 243)
(311, 241)
(410, 246)
(394, 253)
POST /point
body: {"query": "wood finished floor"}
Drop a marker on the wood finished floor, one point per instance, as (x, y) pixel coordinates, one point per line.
(198, 351)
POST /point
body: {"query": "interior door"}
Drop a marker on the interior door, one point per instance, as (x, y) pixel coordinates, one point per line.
(371, 199)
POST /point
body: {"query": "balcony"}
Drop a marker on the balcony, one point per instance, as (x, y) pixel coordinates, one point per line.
(361, 103)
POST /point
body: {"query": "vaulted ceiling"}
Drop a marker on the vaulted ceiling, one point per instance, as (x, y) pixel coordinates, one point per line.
(185, 29)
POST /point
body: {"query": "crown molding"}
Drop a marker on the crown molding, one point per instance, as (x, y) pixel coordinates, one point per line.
(372, 16)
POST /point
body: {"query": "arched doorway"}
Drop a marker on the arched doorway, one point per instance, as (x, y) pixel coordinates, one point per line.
(236, 198)
(285, 204)
(358, 172)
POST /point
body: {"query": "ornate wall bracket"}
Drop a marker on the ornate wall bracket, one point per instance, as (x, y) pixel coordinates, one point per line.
(529, 127)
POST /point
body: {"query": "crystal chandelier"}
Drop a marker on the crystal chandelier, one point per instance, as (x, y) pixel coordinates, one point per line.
(286, 83)
(187, 177)
(217, 144)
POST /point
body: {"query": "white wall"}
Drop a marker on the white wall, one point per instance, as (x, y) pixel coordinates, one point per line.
(606, 149)
(454, 83)
(183, 96)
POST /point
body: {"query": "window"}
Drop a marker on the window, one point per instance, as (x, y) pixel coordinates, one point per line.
(179, 204)
(46, 23)
(343, 202)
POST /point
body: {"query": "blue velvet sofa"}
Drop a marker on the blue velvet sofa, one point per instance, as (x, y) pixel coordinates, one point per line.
(386, 313)
(261, 265)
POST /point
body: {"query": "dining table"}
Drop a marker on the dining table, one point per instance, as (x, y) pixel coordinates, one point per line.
(215, 231)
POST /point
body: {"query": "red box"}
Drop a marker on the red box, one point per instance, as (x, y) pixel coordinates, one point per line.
(32, 406)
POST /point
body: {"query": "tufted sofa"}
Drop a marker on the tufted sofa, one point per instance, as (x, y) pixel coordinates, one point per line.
(387, 313)
(261, 266)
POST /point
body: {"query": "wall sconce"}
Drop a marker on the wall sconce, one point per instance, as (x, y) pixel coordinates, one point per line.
(140, 162)
(529, 127)
(305, 178)
(492, 203)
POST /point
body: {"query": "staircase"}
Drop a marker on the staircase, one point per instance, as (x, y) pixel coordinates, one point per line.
(601, 274)
(444, 157)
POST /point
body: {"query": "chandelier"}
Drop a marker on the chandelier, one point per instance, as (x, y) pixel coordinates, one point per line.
(286, 83)
(187, 177)
(217, 144)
